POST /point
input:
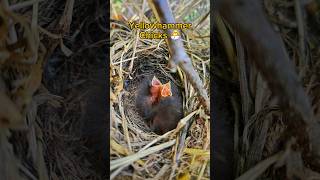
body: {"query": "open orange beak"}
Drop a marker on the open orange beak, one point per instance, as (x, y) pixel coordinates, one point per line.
(166, 90)
(155, 87)
(158, 89)
(155, 81)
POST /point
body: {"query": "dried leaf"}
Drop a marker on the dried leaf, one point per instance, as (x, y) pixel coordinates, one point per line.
(122, 150)
(118, 148)
(184, 176)
(198, 152)
(113, 97)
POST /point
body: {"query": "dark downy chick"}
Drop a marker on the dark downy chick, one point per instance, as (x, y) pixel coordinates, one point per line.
(159, 105)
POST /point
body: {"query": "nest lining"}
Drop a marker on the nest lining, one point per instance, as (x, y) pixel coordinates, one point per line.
(147, 65)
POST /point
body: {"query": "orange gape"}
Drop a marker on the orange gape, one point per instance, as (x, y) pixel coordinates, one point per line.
(159, 90)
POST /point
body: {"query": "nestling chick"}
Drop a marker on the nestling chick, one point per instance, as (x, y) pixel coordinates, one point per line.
(160, 105)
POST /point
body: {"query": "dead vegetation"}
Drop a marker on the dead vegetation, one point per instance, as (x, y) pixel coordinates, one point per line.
(64, 40)
(135, 152)
(273, 141)
(48, 51)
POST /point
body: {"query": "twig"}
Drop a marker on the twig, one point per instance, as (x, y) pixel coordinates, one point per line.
(21, 5)
(124, 122)
(12, 31)
(268, 53)
(116, 172)
(174, 167)
(130, 159)
(204, 165)
(202, 20)
(137, 38)
(181, 139)
(156, 140)
(257, 170)
(34, 28)
(227, 43)
(301, 32)
(236, 131)
(244, 83)
(267, 50)
(43, 172)
(178, 54)
(63, 26)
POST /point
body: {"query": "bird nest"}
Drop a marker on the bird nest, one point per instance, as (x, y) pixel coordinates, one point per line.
(145, 66)
(135, 151)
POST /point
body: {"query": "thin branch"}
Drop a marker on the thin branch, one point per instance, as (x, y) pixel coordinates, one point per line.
(178, 54)
(268, 53)
(25, 4)
(301, 31)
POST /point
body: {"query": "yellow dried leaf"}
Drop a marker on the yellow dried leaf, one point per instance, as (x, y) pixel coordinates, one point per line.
(118, 148)
(197, 152)
(122, 150)
(184, 176)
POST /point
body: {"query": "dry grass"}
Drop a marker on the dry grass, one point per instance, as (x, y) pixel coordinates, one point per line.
(21, 60)
(39, 138)
(46, 144)
(134, 150)
(273, 142)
